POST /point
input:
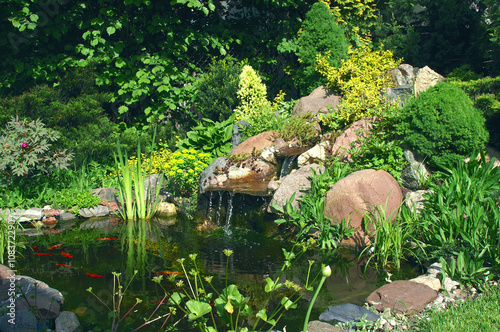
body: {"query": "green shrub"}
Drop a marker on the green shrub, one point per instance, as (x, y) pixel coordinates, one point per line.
(211, 137)
(252, 96)
(461, 213)
(361, 80)
(301, 129)
(26, 150)
(73, 199)
(319, 33)
(442, 125)
(485, 94)
(216, 92)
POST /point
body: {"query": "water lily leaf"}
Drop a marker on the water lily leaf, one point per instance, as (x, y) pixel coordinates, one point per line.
(270, 286)
(287, 303)
(176, 298)
(197, 309)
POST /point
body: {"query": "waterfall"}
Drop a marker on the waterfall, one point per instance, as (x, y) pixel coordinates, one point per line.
(287, 164)
(209, 211)
(219, 207)
(228, 214)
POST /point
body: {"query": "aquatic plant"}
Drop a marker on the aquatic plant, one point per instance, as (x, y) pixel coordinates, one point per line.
(117, 298)
(136, 202)
(73, 199)
(206, 308)
(390, 240)
(326, 271)
(310, 216)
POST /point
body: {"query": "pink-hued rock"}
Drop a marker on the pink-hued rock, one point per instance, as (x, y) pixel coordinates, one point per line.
(318, 101)
(51, 213)
(255, 143)
(402, 296)
(359, 192)
(360, 128)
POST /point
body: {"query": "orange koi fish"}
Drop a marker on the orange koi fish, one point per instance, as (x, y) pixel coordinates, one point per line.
(56, 246)
(64, 265)
(65, 254)
(106, 238)
(94, 275)
(43, 254)
(169, 273)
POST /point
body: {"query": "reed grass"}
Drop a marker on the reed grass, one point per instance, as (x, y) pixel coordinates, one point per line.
(390, 240)
(136, 203)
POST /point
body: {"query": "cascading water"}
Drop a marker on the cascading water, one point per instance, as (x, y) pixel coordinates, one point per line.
(209, 211)
(229, 212)
(219, 208)
(287, 164)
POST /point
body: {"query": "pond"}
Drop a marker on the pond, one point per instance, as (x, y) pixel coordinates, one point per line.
(102, 246)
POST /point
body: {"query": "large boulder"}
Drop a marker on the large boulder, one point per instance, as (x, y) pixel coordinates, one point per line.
(297, 182)
(67, 322)
(359, 193)
(255, 143)
(402, 296)
(426, 78)
(318, 101)
(404, 74)
(317, 153)
(342, 144)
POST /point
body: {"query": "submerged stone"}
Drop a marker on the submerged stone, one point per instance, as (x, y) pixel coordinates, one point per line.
(346, 313)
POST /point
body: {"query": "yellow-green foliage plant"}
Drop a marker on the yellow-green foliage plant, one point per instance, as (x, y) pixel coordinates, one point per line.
(360, 80)
(252, 95)
(184, 169)
(357, 17)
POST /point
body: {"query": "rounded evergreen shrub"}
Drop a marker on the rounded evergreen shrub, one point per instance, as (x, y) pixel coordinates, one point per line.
(442, 125)
(319, 33)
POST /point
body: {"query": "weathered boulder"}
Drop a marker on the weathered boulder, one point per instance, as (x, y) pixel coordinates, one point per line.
(317, 326)
(404, 74)
(151, 184)
(360, 128)
(67, 322)
(429, 281)
(426, 78)
(315, 154)
(96, 211)
(415, 173)
(5, 273)
(359, 193)
(165, 209)
(318, 101)
(255, 143)
(297, 182)
(209, 173)
(415, 200)
(237, 133)
(346, 313)
(402, 296)
(24, 321)
(106, 193)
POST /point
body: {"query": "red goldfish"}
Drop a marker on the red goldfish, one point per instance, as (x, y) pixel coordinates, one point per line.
(56, 246)
(43, 254)
(64, 265)
(65, 254)
(94, 275)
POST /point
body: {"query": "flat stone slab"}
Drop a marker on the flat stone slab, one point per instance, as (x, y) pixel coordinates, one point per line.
(346, 313)
(402, 296)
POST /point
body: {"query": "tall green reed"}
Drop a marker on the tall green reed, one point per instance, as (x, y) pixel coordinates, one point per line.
(391, 241)
(137, 203)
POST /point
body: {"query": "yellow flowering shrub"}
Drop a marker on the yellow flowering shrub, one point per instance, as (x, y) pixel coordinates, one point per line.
(183, 171)
(155, 162)
(361, 80)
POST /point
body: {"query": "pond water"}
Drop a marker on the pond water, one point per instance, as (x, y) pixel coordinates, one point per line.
(98, 247)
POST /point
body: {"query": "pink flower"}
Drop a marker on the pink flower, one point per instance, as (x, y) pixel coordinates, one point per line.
(24, 145)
